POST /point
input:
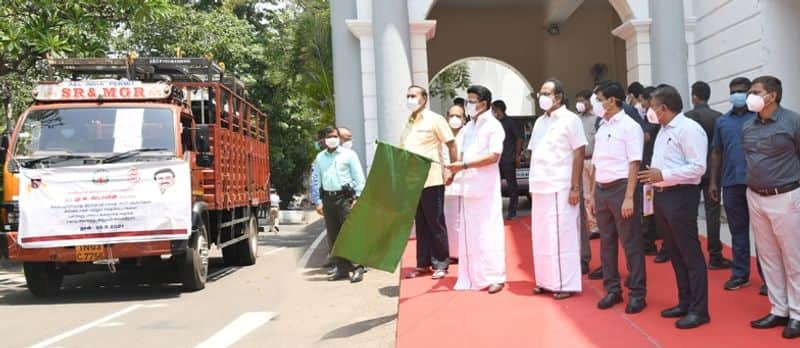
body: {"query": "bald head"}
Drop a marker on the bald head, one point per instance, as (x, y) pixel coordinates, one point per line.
(345, 134)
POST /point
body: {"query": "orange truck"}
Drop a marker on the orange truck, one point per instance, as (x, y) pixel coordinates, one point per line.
(132, 162)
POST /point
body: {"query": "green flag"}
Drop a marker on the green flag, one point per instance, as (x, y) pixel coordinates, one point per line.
(377, 229)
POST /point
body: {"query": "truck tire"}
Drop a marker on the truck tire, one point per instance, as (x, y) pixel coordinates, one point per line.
(194, 262)
(248, 248)
(43, 278)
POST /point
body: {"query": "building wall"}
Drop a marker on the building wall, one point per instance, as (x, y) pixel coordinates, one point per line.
(746, 38)
(781, 51)
(516, 35)
(727, 44)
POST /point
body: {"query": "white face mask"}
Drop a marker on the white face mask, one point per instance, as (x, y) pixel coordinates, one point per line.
(651, 116)
(472, 109)
(412, 104)
(755, 103)
(455, 122)
(597, 106)
(580, 106)
(332, 143)
(347, 144)
(545, 102)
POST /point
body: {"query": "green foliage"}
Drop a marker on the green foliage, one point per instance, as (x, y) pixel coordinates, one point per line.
(280, 49)
(451, 79)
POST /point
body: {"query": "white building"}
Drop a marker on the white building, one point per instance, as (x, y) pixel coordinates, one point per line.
(380, 47)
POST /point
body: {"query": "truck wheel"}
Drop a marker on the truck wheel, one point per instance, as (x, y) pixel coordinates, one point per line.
(43, 278)
(194, 262)
(248, 248)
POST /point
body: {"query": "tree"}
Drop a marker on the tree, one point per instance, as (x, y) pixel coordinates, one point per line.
(453, 78)
(31, 30)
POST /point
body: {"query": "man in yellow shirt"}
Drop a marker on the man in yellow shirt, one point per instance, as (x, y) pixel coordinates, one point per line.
(425, 134)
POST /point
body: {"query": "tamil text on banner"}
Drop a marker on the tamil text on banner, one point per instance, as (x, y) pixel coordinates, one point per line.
(376, 231)
(103, 204)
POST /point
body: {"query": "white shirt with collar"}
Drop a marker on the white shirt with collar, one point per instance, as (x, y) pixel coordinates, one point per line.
(680, 152)
(480, 137)
(618, 142)
(553, 140)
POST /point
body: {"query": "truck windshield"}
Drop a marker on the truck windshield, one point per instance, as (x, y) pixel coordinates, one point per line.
(97, 131)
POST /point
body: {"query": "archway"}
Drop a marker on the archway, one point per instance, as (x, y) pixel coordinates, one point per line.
(579, 51)
(505, 81)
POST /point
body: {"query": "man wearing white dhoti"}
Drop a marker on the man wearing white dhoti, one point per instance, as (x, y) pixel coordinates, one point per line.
(557, 152)
(481, 253)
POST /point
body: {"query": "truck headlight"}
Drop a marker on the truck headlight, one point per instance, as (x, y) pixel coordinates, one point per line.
(11, 214)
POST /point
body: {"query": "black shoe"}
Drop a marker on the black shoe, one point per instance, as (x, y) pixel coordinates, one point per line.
(763, 291)
(769, 321)
(594, 235)
(584, 267)
(691, 321)
(792, 329)
(736, 283)
(661, 257)
(650, 249)
(511, 216)
(635, 305)
(719, 262)
(596, 274)
(674, 312)
(610, 300)
(358, 275)
(337, 276)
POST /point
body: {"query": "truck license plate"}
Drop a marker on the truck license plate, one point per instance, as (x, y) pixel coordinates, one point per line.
(88, 253)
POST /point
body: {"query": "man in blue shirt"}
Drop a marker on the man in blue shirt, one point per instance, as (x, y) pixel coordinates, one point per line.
(341, 180)
(727, 154)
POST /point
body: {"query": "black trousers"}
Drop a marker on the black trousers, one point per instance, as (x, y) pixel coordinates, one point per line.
(614, 229)
(508, 171)
(432, 248)
(676, 216)
(712, 209)
(336, 209)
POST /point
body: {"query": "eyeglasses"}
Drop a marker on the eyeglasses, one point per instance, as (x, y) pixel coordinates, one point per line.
(546, 94)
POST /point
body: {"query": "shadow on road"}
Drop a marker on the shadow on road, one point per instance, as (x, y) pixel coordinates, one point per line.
(390, 291)
(356, 328)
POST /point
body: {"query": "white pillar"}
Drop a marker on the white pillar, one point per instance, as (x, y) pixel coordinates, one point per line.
(691, 62)
(636, 33)
(362, 29)
(669, 49)
(346, 64)
(392, 66)
(421, 32)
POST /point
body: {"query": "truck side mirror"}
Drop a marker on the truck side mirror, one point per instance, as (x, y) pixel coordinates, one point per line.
(203, 138)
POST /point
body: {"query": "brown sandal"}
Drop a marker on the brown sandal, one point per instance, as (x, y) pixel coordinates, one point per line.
(538, 291)
(562, 295)
(417, 272)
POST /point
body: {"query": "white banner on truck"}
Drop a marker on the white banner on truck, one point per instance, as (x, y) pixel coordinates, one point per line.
(105, 204)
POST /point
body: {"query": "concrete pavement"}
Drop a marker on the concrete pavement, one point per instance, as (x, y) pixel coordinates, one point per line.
(275, 303)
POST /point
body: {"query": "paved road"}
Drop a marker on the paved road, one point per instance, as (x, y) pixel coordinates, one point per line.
(276, 303)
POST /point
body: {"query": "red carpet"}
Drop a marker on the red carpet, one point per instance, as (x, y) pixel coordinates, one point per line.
(431, 314)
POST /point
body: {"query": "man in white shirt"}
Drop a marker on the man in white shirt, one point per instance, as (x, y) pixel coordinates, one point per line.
(679, 161)
(481, 252)
(617, 155)
(557, 153)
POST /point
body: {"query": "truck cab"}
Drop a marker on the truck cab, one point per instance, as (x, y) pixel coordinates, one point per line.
(130, 170)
